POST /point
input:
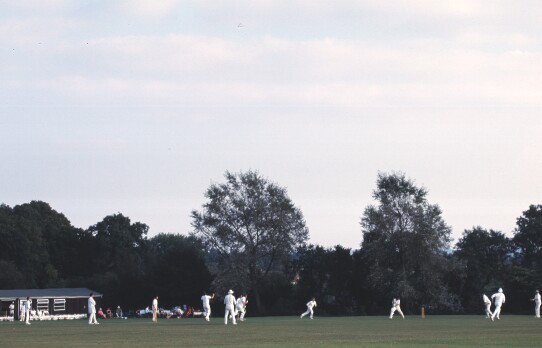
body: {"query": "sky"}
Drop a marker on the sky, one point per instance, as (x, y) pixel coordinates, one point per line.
(139, 106)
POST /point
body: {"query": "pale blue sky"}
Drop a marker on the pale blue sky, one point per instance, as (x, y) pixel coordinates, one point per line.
(138, 106)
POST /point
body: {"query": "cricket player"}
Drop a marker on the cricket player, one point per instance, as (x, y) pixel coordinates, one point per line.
(499, 299)
(91, 307)
(21, 310)
(229, 301)
(12, 309)
(155, 310)
(240, 307)
(396, 306)
(536, 301)
(26, 308)
(310, 305)
(206, 305)
(487, 303)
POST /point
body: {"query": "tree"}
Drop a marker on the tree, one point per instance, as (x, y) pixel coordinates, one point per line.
(177, 270)
(327, 274)
(527, 274)
(485, 256)
(114, 250)
(528, 237)
(405, 241)
(251, 226)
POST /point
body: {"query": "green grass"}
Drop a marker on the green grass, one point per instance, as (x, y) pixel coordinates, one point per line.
(439, 331)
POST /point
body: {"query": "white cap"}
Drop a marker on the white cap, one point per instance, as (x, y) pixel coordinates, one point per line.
(230, 291)
(500, 289)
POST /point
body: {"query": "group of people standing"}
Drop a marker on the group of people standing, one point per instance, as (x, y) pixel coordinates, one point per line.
(24, 310)
(234, 307)
(499, 299)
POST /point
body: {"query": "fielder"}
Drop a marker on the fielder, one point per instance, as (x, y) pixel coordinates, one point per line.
(27, 305)
(310, 305)
(487, 303)
(241, 306)
(155, 310)
(91, 307)
(536, 301)
(206, 305)
(396, 306)
(499, 300)
(229, 301)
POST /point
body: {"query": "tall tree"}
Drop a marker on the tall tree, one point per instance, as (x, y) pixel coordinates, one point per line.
(251, 226)
(527, 274)
(405, 241)
(528, 237)
(114, 248)
(176, 269)
(485, 256)
(327, 274)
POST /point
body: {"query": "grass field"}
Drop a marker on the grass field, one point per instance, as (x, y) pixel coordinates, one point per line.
(441, 331)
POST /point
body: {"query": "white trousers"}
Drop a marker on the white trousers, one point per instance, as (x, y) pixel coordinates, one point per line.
(398, 309)
(229, 311)
(488, 310)
(497, 311)
(309, 311)
(92, 318)
(537, 309)
(27, 317)
(206, 313)
(241, 311)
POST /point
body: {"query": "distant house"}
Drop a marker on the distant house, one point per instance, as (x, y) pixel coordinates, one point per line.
(58, 303)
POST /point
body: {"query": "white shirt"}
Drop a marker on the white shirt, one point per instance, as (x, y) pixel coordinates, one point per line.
(499, 298)
(311, 304)
(27, 305)
(11, 307)
(229, 301)
(396, 302)
(205, 300)
(154, 304)
(91, 305)
(241, 302)
(486, 299)
(537, 298)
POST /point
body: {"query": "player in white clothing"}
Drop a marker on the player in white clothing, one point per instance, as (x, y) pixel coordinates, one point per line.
(26, 308)
(155, 310)
(229, 302)
(536, 301)
(487, 303)
(396, 306)
(206, 305)
(310, 305)
(91, 308)
(499, 299)
(241, 306)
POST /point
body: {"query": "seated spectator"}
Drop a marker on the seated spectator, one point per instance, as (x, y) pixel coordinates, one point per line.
(101, 313)
(109, 313)
(12, 309)
(188, 312)
(119, 312)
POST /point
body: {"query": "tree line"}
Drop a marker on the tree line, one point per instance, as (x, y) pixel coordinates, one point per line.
(250, 236)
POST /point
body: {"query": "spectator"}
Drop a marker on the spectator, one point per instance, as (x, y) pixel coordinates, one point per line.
(101, 313)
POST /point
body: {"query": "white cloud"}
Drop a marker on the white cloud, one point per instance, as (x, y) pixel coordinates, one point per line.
(179, 69)
(148, 8)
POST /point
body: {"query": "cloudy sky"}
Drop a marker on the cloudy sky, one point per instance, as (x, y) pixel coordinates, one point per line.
(138, 106)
